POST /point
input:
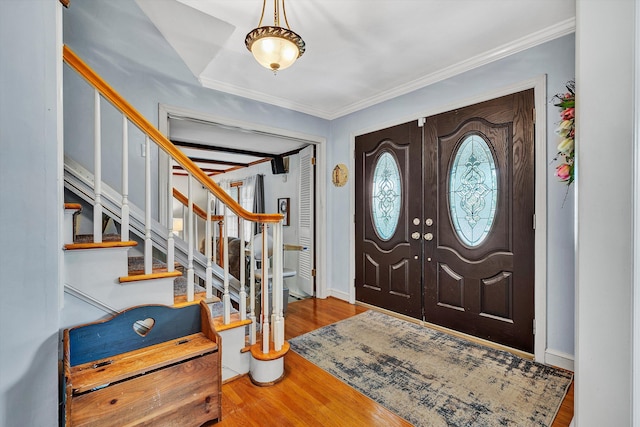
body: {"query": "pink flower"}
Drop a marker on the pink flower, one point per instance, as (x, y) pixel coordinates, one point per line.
(563, 172)
(568, 113)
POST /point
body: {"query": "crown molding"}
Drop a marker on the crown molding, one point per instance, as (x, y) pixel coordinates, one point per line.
(547, 34)
(262, 97)
(550, 33)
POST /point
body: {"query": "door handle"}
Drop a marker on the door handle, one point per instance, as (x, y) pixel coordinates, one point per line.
(428, 236)
(415, 235)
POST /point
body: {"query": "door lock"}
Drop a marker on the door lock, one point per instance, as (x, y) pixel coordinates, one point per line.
(428, 222)
(428, 236)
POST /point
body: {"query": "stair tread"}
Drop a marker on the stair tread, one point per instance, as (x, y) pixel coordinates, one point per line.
(73, 206)
(236, 322)
(102, 245)
(159, 275)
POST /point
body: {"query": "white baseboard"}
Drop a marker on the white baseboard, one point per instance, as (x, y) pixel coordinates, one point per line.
(559, 359)
(338, 294)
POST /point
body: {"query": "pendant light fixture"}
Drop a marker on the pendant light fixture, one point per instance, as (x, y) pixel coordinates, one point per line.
(275, 47)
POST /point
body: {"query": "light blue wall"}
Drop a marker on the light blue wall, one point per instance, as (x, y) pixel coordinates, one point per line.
(118, 41)
(122, 45)
(607, 150)
(556, 60)
(29, 212)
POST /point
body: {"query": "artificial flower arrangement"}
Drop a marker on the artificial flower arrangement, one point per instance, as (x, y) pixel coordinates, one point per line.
(566, 131)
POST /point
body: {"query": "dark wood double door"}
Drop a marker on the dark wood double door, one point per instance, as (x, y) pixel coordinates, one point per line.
(444, 220)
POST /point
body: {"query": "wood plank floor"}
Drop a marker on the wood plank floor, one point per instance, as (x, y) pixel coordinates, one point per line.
(308, 396)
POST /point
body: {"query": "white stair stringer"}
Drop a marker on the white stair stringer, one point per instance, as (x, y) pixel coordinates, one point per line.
(80, 308)
(234, 362)
(80, 181)
(95, 273)
(69, 216)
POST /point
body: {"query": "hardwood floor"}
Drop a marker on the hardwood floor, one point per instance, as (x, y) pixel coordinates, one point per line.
(308, 396)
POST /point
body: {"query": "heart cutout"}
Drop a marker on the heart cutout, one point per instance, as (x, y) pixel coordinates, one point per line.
(143, 327)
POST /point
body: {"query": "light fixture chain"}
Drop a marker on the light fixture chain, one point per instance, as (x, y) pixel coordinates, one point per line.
(276, 13)
(284, 13)
(264, 5)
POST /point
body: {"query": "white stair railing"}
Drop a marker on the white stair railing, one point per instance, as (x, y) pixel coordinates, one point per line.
(272, 321)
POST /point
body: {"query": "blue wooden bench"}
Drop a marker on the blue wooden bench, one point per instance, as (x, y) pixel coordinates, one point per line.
(148, 365)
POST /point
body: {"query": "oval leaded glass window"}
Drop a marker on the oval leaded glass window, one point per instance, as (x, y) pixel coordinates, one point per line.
(386, 196)
(473, 190)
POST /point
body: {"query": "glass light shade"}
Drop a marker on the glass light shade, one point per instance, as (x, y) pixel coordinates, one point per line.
(274, 53)
(275, 48)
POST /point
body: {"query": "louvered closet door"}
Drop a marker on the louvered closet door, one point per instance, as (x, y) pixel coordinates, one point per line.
(306, 223)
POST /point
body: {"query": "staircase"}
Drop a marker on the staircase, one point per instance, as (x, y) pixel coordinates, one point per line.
(98, 272)
(99, 281)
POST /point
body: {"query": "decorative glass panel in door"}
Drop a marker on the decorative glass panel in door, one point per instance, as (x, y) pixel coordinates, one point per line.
(386, 197)
(473, 190)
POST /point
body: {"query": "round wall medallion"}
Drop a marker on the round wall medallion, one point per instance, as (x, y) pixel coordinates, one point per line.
(340, 175)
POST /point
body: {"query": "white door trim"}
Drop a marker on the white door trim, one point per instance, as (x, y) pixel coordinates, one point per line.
(539, 85)
(635, 393)
(321, 186)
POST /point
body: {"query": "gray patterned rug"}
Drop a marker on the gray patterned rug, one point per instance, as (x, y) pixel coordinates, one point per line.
(434, 379)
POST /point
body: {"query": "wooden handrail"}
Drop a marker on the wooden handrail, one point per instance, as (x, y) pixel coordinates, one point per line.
(145, 126)
(196, 209)
(202, 214)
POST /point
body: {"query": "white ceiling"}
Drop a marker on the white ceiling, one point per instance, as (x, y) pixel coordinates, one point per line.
(358, 52)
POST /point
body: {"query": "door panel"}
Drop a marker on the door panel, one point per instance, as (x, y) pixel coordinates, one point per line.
(462, 254)
(388, 267)
(495, 283)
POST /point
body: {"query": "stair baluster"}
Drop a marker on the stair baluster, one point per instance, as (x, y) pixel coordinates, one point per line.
(278, 327)
(208, 238)
(264, 282)
(226, 298)
(190, 240)
(148, 244)
(97, 172)
(171, 242)
(243, 293)
(124, 213)
(252, 295)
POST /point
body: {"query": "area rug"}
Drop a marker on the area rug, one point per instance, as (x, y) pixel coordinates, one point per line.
(431, 378)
